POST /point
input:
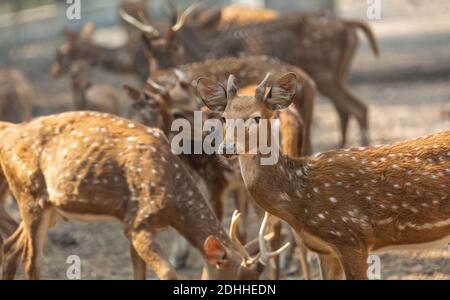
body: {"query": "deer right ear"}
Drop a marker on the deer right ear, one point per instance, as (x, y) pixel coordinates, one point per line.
(212, 93)
(132, 92)
(215, 252)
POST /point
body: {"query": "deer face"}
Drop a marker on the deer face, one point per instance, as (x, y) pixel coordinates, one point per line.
(235, 262)
(148, 108)
(224, 264)
(251, 112)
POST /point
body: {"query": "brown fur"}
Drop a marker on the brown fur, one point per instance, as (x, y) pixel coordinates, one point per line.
(346, 203)
(90, 164)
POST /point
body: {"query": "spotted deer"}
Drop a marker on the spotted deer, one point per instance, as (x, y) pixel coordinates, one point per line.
(344, 204)
(320, 44)
(159, 106)
(15, 106)
(88, 96)
(95, 166)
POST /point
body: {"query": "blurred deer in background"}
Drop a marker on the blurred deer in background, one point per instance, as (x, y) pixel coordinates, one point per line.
(344, 204)
(91, 166)
(15, 106)
(320, 44)
(86, 96)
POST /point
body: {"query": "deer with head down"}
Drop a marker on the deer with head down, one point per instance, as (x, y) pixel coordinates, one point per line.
(344, 204)
(91, 166)
(320, 44)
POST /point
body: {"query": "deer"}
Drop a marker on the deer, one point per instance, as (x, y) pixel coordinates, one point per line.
(159, 106)
(15, 106)
(129, 58)
(346, 203)
(88, 96)
(96, 166)
(320, 44)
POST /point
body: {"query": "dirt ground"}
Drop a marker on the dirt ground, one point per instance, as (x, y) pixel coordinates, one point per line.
(408, 93)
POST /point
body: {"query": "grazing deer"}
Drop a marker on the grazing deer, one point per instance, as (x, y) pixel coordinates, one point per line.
(344, 204)
(93, 166)
(157, 106)
(15, 106)
(86, 96)
(321, 45)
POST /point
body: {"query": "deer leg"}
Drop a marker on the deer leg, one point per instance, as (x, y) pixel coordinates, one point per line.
(138, 264)
(241, 203)
(354, 263)
(145, 246)
(36, 225)
(344, 101)
(7, 224)
(181, 253)
(12, 250)
(275, 243)
(303, 257)
(330, 267)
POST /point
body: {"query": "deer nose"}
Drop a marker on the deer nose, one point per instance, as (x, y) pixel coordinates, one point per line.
(226, 149)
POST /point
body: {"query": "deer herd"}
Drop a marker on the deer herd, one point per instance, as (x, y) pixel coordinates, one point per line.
(102, 161)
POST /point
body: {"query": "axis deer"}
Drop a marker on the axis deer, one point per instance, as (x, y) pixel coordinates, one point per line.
(86, 96)
(344, 204)
(155, 106)
(15, 106)
(320, 44)
(92, 166)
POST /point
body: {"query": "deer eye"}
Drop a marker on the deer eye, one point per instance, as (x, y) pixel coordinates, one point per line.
(257, 119)
(223, 120)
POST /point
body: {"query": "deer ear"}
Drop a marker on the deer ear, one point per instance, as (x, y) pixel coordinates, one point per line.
(132, 92)
(87, 31)
(215, 252)
(282, 92)
(212, 93)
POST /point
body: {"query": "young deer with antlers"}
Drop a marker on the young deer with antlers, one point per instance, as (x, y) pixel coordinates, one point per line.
(344, 203)
(92, 166)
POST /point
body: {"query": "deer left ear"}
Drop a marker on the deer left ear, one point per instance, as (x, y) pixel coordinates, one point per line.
(215, 252)
(282, 92)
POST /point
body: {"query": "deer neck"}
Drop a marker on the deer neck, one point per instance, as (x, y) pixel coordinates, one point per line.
(196, 221)
(278, 188)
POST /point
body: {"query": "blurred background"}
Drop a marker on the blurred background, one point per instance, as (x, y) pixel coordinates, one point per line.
(407, 89)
